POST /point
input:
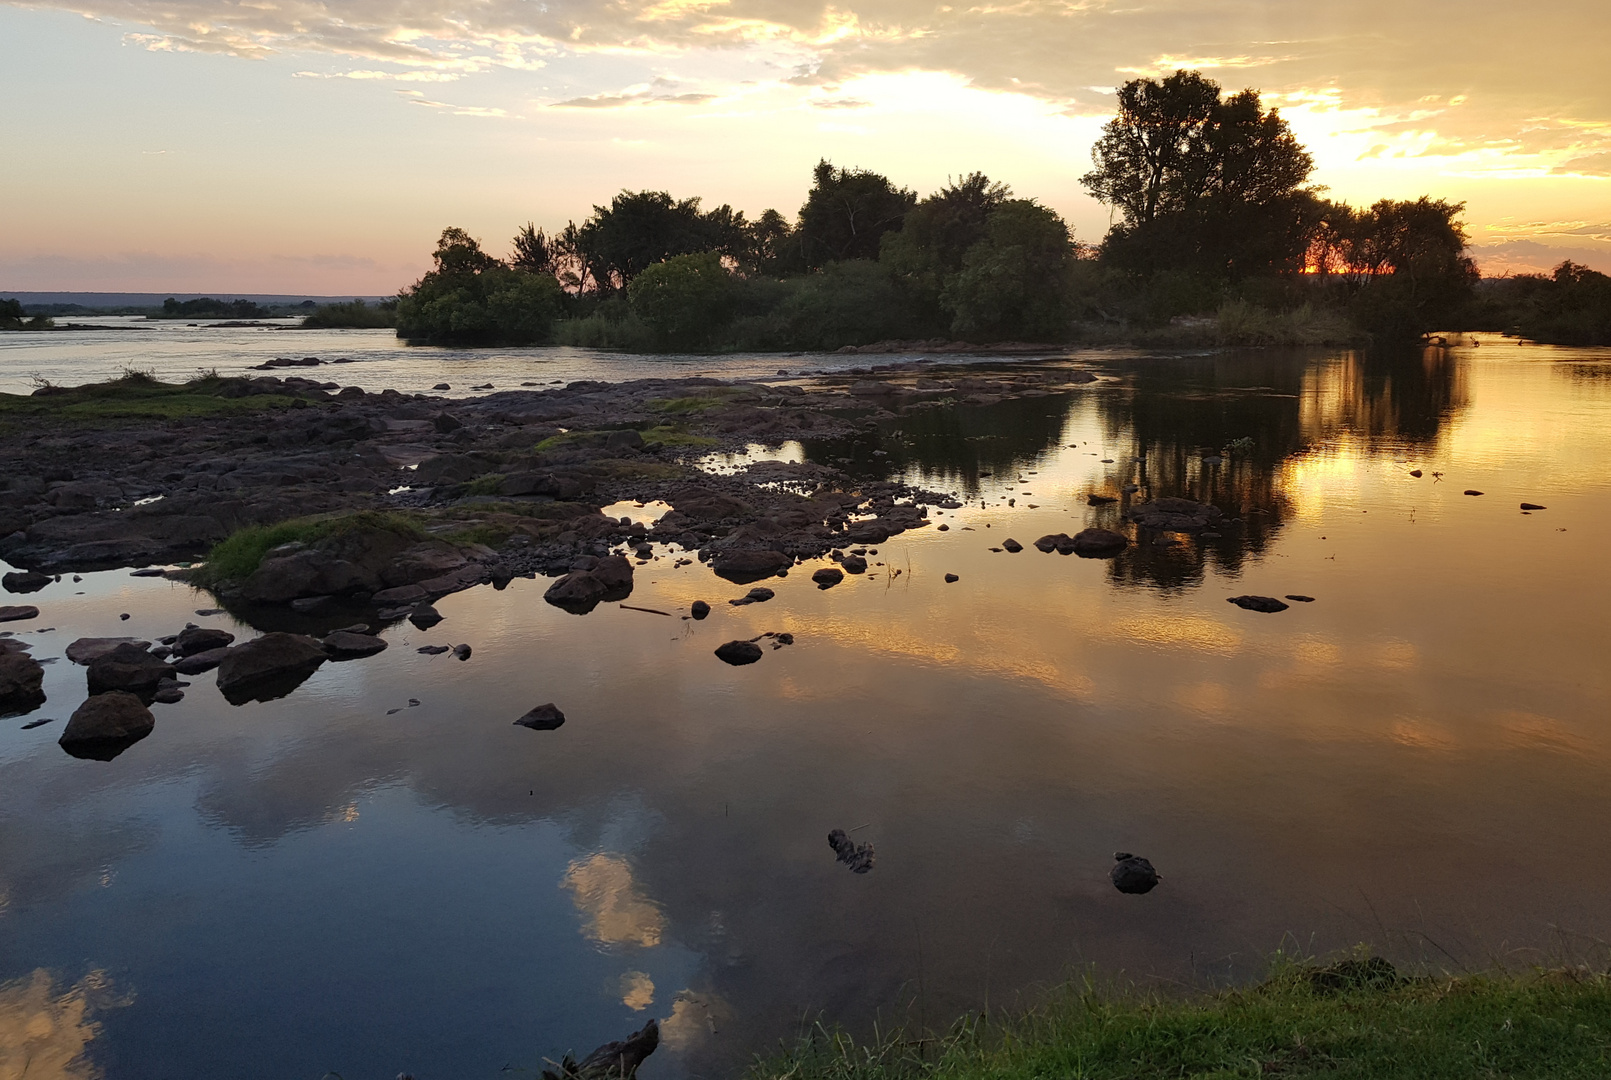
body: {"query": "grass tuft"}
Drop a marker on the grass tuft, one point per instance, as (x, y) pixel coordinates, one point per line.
(238, 556)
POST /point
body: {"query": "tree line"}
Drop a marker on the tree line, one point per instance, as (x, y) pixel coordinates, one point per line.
(1215, 215)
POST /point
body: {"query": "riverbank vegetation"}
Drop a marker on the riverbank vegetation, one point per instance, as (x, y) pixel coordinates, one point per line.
(12, 317)
(139, 394)
(1356, 1019)
(1220, 239)
(354, 314)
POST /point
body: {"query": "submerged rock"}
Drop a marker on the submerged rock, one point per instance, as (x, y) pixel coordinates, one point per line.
(758, 595)
(1174, 515)
(1267, 604)
(738, 653)
(1300, 598)
(196, 663)
(859, 857)
(106, 725)
(347, 645)
(1132, 874)
(268, 667)
(424, 616)
(542, 718)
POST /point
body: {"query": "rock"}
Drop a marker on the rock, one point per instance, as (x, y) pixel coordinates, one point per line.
(168, 694)
(859, 857)
(949, 578)
(1471, 491)
(1012, 545)
(758, 595)
(18, 613)
(1098, 543)
(828, 577)
(612, 1061)
(581, 590)
(1533, 506)
(1300, 598)
(346, 645)
(738, 653)
(25, 581)
(268, 667)
(21, 680)
(445, 423)
(89, 649)
(699, 609)
(1056, 542)
(1174, 515)
(106, 725)
(441, 386)
(196, 663)
(744, 566)
(149, 571)
(462, 652)
(854, 564)
(424, 616)
(616, 574)
(1132, 874)
(199, 639)
(307, 605)
(127, 667)
(1415, 473)
(1267, 604)
(305, 573)
(942, 527)
(543, 718)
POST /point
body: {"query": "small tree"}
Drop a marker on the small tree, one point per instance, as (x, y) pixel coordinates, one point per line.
(684, 300)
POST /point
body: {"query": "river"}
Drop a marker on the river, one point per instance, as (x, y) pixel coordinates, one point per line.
(342, 880)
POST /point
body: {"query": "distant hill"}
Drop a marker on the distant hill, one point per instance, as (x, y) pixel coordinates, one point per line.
(94, 301)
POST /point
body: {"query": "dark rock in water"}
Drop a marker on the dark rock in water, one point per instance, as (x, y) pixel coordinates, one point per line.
(461, 652)
(613, 1060)
(943, 527)
(743, 567)
(18, 612)
(859, 857)
(198, 639)
(268, 667)
(346, 645)
(433, 650)
(758, 595)
(854, 564)
(424, 616)
(1267, 604)
(1062, 543)
(1415, 473)
(1012, 545)
(828, 577)
(41, 722)
(106, 725)
(1300, 598)
(1133, 874)
(125, 617)
(147, 571)
(581, 590)
(1099, 543)
(1099, 500)
(208, 612)
(168, 695)
(1471, 491)
(127, 667)
(1174, 515)
(442, 386)
(308, 605)
(86, 650)
(949, 578)
(21, 679)
(1370, 973)
(196, 663)
(543, 718)
(1533, 506)
(738, 653)
(699, 609)
(25, 581)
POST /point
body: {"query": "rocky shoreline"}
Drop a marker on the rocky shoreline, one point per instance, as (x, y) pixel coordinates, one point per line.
(504, 485)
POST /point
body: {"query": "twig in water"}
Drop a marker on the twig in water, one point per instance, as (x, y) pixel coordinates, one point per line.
(649, 610)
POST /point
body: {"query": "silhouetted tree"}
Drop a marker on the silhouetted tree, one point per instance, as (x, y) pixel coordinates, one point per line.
(1013, 281)
(847, 213)
(473, 298)
(532, 252)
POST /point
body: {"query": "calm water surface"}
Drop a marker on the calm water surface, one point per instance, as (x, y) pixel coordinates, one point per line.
(1418, 759)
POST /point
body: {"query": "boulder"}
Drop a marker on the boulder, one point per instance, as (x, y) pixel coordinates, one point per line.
(127, 667)
(196, 663)
(699, 609)
(106, 725)
(1098, 543)
(738, 653)
(424, 616)
(1056, 542)
(1174, 515)
(854, 564)
(1132, 874)
(308, 572)
(758, 595)
(87, 650)
(21, 679)
(542, 718)
(744, 566)
(1267, 604)
(18, 612)
(828, 577)
(1012, 545)
(25, 581)
(615, 573)
(268, 667)
(347, 645)
(199, 639)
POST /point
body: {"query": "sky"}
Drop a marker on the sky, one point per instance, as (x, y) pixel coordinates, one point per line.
(299, 146)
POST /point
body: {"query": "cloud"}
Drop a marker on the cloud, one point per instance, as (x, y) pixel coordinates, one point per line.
(384, 76)
(1534, 257)
(1589, 165)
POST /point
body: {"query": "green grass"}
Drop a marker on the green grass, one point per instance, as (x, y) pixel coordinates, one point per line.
(242, 552)
(696, 403)
(487, 484)
(138, 394)
(1336, 1022)
(670, 435)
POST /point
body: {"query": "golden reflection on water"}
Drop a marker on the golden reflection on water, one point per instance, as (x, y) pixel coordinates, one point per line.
(616, 913)
(45, 1030)
(637, 991)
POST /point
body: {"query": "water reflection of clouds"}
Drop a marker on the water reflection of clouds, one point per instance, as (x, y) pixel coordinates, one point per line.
(614, 911)
(46, 1030)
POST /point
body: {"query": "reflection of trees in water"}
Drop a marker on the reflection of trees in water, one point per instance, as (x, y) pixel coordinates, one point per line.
(1399, 395)
(949, 447)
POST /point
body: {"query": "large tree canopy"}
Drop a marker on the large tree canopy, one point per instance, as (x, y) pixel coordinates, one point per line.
(847, 214)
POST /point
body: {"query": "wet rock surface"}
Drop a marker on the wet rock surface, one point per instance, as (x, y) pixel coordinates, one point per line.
(348, 645)
(738, 653)
(17, 612)
(86, 650)
(1132, 874)
(1267, 604)
(105, 725)
(268, 667)
(542, 718)
(127, 667)
(25, 581)
(1098, 543)
(21, 679)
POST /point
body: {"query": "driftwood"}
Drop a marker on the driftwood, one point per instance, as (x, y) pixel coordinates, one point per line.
(613, 1060)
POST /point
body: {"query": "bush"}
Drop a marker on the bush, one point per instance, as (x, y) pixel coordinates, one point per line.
(472, 298)
(684, 301)
(1014, 282)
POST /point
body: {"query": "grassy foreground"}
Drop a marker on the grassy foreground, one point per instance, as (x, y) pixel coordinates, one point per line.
(139, 395)
(1354, 1019)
